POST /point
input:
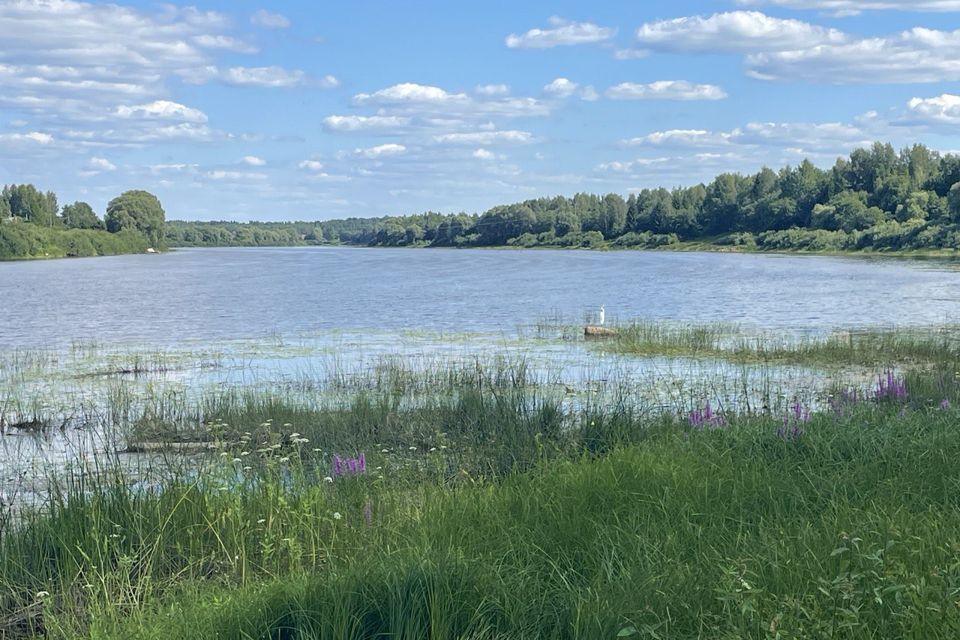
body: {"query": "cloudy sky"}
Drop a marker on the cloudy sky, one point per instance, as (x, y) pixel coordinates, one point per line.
(232, 109)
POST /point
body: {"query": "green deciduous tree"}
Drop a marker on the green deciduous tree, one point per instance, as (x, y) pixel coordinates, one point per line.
(80, 215)
(139, 211)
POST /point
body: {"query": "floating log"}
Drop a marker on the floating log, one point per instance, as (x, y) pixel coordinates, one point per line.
(596, 331)
(182, 447)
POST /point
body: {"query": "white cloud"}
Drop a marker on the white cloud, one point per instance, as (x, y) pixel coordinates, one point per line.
(175, 167)
(253, 161)
(161, 110)
(351, 124)
(918, 55)
(410, 92)
(826, 135)
(666, 90)
(389, 149)
(743, 31)
(780, 49)
(854, 7)
(428, 101)
(227, 43)
(632, 165)
(483, 154)
(263, 18)
(681, 137)
(486, 138)
(561, 87)
(328, 82)
(101, 164)
(272, 76)
(312, 165)
(33, 136)
(562, 33)
(943, 109)
(490, 90)
(630, 54)
(221, 174)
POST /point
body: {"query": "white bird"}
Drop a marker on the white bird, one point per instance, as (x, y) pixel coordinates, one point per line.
(603, 314)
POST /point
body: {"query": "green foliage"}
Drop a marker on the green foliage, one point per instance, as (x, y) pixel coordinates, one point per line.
(30, 227)
(848, 207)
(28, 203)
(138, 211)
(80, 215)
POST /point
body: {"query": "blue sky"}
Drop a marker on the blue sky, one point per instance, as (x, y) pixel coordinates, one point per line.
(306, 110)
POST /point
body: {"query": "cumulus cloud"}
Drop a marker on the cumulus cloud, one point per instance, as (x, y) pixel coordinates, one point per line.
(272, 76)
(483, 154)
(311, 165)
(943, 109)
(681, 137)
(854, 7)
(410, 92)
(227, 43)
(756, 134)
(353, 124)
(492, 90)
(429, 101)
(263, 18)
(221, 174)
(486, 138)
(789, 49)
(389, 149)
(918, 55)
(561, 87)
(665, 90)
(560, 33)
(33, 137)
(101, 164)
(738, 31)
(161, 110)
(253, 161)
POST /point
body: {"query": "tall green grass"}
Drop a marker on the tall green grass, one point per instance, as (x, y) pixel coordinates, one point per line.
(495, 513)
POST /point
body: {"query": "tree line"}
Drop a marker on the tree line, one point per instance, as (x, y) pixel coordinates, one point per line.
(876, 198)
(32, 225)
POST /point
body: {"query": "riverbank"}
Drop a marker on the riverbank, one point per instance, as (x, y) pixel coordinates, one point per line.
(487, 502)
(681, 246)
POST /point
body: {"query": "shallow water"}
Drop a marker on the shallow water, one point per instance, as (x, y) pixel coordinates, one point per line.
(313, 323)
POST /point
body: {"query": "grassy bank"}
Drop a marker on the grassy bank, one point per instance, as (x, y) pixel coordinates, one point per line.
(491, 510)
(868, 347)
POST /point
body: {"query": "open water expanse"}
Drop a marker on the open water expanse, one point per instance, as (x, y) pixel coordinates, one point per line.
(207, 295)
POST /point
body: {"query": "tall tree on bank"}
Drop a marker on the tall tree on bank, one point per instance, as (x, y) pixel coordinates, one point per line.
(80, 215)
(139, 211)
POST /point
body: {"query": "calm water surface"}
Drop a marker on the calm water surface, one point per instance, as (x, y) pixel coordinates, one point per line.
(215, 294)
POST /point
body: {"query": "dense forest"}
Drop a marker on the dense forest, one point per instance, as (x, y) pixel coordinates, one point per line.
(876, 198)
(32, 225)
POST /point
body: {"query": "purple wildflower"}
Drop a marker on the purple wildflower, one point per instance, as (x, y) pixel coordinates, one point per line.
(349, 466)
(703, 418)
(792, 428)
(889, 387)
(945, 404)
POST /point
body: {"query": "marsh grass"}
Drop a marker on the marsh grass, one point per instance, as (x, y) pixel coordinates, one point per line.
(868, 347)
(496, 505)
